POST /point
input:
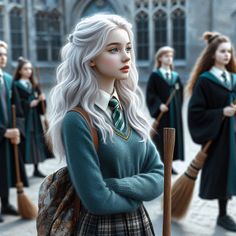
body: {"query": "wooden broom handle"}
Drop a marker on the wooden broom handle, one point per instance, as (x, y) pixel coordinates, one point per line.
(207, 146)
(169, 144)
(167, 104)
(15, 147)
(40, 92)
(157, 121)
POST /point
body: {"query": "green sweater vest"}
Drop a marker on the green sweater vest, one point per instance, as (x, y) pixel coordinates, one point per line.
(116, 179)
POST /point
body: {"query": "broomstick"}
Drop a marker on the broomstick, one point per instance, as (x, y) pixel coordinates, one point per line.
(182, 190)
(157, 121)
(42, 104)
(25, 207)
(169, 143)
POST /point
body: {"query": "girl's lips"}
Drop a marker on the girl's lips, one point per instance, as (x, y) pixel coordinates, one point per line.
(125, 68)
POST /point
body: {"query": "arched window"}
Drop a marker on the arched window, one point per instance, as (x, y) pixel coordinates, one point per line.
(16, 33)
(160, 29)
(142, 35)
(1, 25)
(160, 23)
(178, 33)
(55, 32)
(48, 34)
(42, 37)
(16, 1)
(96, 6)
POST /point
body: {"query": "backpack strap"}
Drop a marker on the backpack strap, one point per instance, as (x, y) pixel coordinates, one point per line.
(89, 122)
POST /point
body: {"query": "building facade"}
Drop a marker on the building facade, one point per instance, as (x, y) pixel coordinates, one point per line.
(36, 29)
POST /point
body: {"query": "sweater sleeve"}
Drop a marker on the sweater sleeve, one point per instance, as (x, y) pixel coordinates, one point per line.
(146, 185)
(84, 169)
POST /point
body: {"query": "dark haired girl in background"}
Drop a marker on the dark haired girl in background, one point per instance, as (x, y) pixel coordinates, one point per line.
(34, 147)
(213, 89)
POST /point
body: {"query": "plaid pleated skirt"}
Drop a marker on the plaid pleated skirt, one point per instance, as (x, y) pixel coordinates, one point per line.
(135, 223)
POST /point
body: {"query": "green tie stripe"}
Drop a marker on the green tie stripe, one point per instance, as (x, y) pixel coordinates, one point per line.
(225, 78)
(117, 116)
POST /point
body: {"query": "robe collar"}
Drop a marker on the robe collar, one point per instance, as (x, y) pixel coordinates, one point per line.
(213, 78)
(174, 77)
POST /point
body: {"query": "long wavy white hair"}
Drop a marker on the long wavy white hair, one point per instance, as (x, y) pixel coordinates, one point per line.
(77, 82)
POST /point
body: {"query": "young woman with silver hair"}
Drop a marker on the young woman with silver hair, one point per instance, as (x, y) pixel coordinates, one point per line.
(98, 74)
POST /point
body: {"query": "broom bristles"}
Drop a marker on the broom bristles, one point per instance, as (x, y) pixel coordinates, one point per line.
(26, 208)
(181, 195)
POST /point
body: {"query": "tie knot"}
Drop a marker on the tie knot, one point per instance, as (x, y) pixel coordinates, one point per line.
(28, 84)
(224, 75)
(114, 103)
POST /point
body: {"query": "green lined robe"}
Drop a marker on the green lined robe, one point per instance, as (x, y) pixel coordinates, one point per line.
(158, 91)
(34, 147)
(205, 120)
(7, 164)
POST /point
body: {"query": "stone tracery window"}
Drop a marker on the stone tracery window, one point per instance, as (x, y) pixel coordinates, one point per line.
(142, 35)
(160, 29)
(159, 23)
(1, 25)
(178, 35)
(16, 33)
(48, 36)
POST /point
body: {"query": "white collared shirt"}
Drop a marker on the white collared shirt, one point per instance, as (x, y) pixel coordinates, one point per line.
(26, 83)
(218, 73)
(1, 77)
(164, 72)
(102, 101)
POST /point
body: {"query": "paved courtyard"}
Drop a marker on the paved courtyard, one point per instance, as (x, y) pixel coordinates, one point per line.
(200, 220)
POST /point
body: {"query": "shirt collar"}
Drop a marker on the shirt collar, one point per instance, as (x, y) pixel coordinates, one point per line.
(218, 72)
(24, 82)
(103, 98)
(164, 71)
(1, 77)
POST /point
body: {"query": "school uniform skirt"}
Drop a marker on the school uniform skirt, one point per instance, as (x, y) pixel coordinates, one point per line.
(135, 223)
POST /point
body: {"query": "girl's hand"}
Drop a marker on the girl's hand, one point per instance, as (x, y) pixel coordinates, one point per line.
(42, 97)
(229, 111)
(34, 103)
(164, 108)
(12, 133)
(15, 140)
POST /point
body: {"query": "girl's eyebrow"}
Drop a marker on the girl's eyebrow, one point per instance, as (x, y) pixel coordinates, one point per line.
(115, 43)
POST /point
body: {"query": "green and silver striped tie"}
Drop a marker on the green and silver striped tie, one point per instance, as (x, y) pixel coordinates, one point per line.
(117, 115)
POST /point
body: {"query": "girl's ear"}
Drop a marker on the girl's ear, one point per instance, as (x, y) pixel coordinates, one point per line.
(92, 63)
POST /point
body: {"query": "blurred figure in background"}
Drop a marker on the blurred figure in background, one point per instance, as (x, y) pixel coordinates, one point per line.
(162, 82)
(211, 116)
(8, 135)
(33, 143)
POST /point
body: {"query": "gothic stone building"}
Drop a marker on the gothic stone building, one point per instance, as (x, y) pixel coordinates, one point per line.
(36, 29)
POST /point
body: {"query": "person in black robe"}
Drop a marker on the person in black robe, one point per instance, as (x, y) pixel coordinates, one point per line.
(162, 82)
(8, 136)
(211, 116)
(34, 145)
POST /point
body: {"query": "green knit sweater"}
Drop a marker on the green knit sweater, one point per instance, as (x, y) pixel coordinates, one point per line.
(123, 173)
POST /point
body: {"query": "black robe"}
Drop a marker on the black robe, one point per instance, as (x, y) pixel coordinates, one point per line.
(158, 91)
(206, 122)
(34, 146)
(7, 164)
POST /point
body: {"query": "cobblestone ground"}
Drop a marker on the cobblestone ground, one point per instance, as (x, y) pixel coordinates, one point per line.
(200, 220)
